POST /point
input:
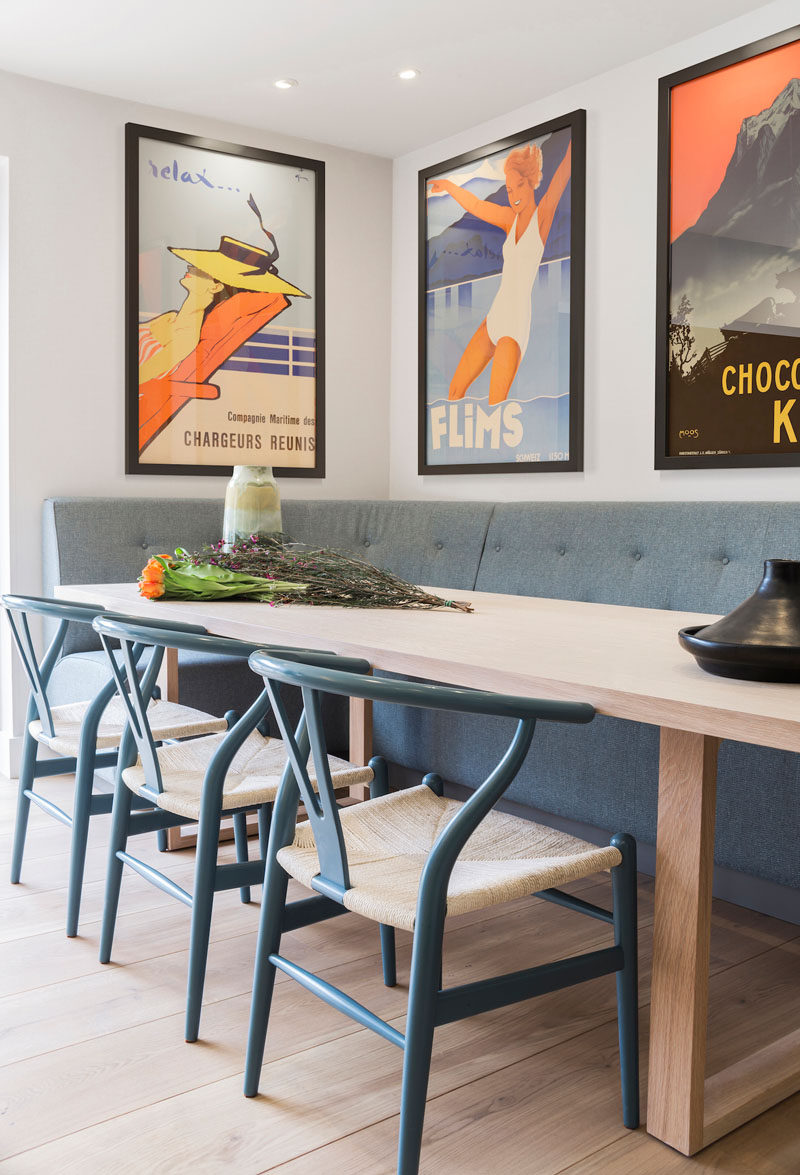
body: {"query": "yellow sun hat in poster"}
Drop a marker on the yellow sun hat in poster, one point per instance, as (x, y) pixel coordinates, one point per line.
(241, 266)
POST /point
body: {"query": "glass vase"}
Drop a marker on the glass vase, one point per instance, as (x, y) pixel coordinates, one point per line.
(252, 505)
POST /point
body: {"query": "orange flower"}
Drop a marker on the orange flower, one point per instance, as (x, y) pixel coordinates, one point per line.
(151, 581)
(153, 571)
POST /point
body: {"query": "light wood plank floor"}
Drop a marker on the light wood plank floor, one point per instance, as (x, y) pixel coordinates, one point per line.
(95, 1076)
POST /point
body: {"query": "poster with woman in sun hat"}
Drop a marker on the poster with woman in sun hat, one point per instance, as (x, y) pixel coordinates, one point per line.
(224, 288)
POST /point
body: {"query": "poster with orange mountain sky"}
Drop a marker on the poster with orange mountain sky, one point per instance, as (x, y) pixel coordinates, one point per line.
(729, 326)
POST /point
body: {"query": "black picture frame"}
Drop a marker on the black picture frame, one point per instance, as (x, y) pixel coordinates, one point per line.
(304, 351)
(717, 446)
(573, 127)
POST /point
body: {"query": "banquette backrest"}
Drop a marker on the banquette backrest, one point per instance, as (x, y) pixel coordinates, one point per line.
(687, 556)
(109, 540)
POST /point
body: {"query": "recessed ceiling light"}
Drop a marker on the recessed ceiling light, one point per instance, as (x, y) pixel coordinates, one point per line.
(286, 83)
(407, 75)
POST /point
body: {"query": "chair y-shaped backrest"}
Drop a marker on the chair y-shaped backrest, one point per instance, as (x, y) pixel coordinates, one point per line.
(39, 670)
(133, 637)
(131, 633)
(323, 813)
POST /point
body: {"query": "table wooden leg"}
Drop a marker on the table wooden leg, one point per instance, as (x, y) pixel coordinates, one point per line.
(679, 1001)
(360, 740)
(168, 676)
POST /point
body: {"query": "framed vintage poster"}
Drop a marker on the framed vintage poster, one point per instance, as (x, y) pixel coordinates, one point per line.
(224, 307)
(501, 284)
(728, 301)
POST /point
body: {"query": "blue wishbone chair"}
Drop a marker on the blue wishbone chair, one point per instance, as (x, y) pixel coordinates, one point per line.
(200, 780)
(84, 736)
(410, 858)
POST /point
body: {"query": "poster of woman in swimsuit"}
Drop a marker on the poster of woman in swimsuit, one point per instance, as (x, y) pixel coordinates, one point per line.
(728, 307)
(224, 307)
(501, 305)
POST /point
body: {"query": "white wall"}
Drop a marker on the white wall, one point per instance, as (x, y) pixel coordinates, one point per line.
(622, 109)
(64, 149)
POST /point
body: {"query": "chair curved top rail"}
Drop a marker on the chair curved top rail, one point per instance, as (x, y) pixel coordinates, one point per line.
(188, 637)
(60, 609)
(287, 667)
(83, 613)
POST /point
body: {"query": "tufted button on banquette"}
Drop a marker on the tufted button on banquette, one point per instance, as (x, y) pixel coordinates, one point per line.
(497, 547)
(562, 550)
(638, 556)
(725, 560)
(366, 542)
(144, 544)
(439, 546)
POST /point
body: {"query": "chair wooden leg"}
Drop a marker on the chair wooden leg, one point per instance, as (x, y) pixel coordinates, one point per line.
(276, 883)
(240, 839)
(426, 964)
(27, 774)
(623, 881)
(202, 906)
(84, 782)
(118, 842)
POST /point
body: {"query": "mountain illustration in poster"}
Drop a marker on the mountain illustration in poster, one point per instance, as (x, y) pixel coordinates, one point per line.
(735, 292)
(470, 248)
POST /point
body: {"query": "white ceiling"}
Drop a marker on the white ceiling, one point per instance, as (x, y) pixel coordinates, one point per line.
(220, 57)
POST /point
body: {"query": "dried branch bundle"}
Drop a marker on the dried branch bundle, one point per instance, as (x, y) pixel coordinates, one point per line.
(329, 576)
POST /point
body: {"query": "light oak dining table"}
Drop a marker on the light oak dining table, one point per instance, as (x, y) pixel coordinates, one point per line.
(627, 663)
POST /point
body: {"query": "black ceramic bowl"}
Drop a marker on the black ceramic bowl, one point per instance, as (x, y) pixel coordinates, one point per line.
(750, 662)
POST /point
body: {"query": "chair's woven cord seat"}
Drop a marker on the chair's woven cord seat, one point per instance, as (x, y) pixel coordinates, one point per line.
(167, 720)
(253, 777)
(388, 841)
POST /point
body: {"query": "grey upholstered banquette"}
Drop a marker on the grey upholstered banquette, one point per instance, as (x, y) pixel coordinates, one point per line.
(698, 556)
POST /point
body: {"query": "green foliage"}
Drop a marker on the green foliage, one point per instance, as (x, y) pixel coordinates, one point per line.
(681, 340)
